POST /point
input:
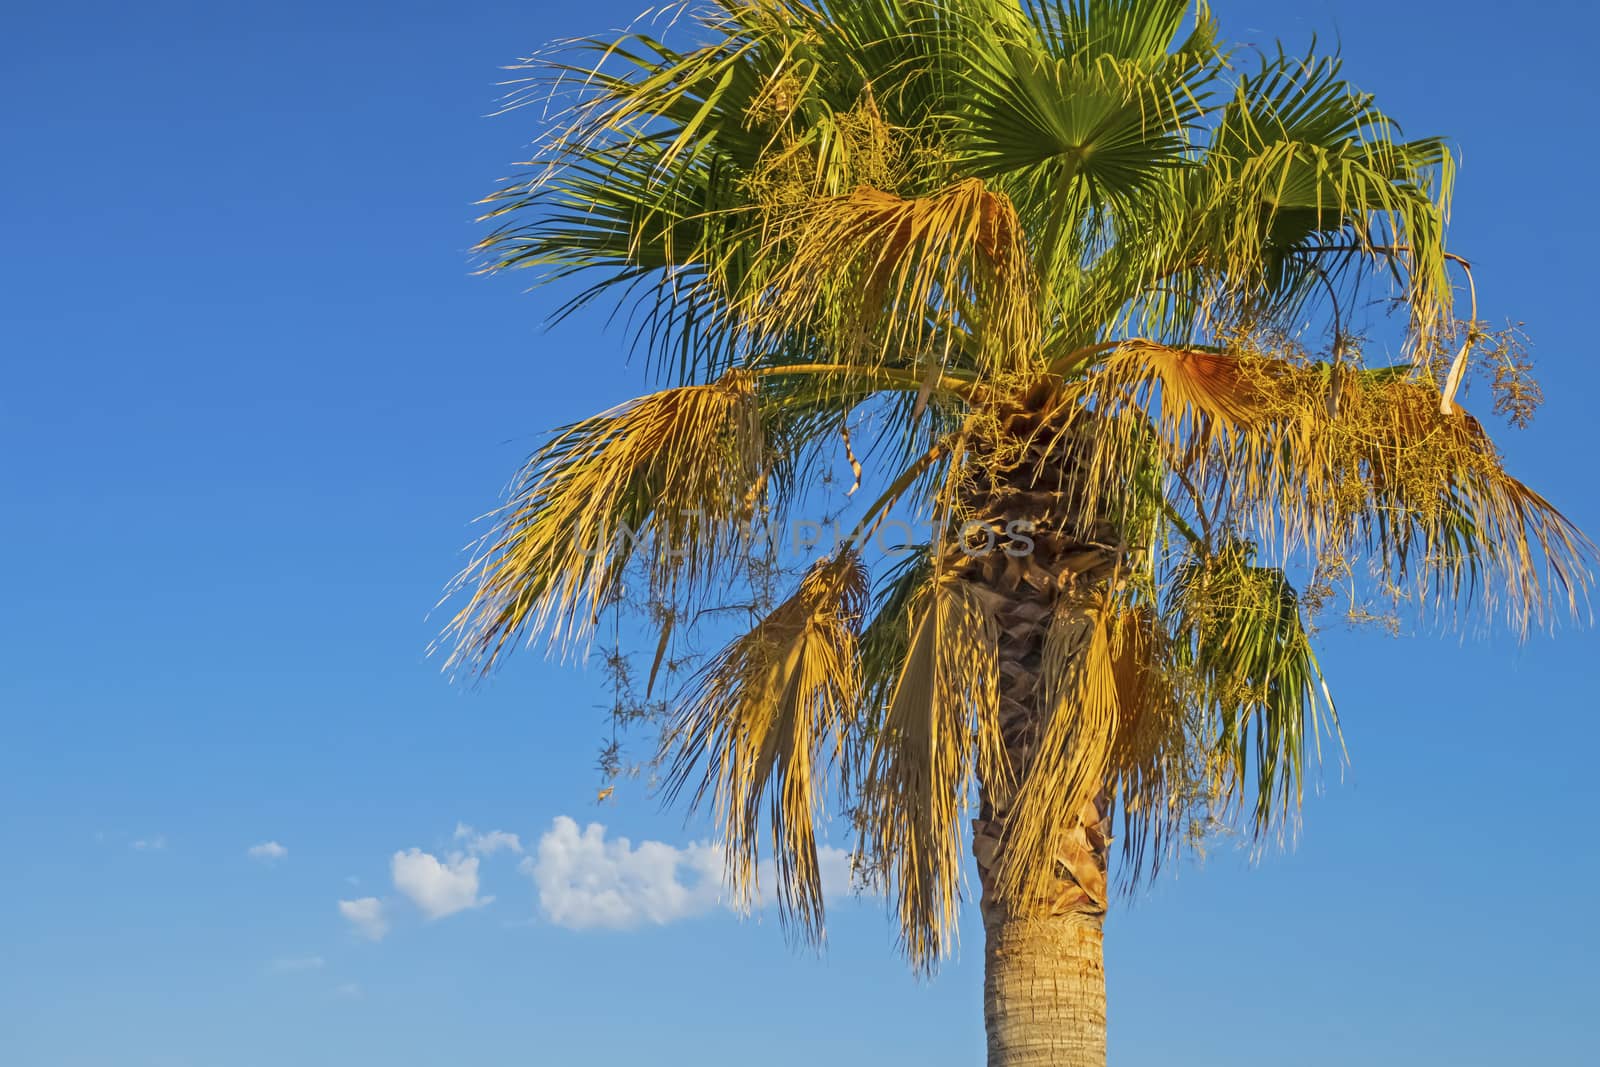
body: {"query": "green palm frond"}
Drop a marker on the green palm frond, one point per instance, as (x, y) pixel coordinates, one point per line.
(1085, 117)
(1240, 634)
(1300, 160)
(1122, 29)
(886, 640)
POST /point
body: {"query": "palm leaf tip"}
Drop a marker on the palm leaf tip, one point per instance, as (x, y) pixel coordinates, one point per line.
(1242, 644)
(759, 726)
(665, 481)
(939, 730)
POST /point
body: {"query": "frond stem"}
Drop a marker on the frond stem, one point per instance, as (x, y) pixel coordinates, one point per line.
(1062, 364)
(880, 507)
(1205, 541)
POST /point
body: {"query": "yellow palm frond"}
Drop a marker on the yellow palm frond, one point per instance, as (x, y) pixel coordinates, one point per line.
(1441, 512)
(1192, 384)
(1151, 771)
(1424, 494)
(941, 727)
(1080, 705)
(761, 716)
(878, 276)
(669, 476)
(1333, 463)
(1146, 407)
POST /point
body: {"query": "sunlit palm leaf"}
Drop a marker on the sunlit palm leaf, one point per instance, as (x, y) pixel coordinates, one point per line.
(1298, 156)
(672, 474)
(940, 729)
(878, 277)
(1080, 706)
(1151, 771)
(1240, 632)
(763, 719)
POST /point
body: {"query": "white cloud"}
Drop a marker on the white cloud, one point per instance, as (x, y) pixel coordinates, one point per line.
(301, 963)
(366, 915)
(150, 844)
(833, 864)
(438, 888)
(267, 852)
(348, 991)
(487, 844)
(586, 882)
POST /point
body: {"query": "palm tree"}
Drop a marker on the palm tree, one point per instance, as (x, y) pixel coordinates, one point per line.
(1084, 285)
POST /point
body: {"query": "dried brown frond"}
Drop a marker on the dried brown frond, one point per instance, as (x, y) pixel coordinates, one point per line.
(1422, 494)
(1337, 463)
(763, 718)
(1151, 771)
(1080, 705)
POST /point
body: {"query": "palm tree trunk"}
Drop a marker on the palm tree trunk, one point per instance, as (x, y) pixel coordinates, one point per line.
(1044, 992)
(1044, 989)
(1044, 977)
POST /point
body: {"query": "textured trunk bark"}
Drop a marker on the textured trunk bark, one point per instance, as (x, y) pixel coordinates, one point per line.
(1044, 992)
(1044, 979)
(1044, 989)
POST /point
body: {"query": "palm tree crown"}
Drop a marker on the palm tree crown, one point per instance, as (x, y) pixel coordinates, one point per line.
(1081, 281)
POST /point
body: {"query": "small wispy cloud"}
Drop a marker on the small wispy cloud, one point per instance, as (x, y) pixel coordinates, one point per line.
(437, 887)
(149, 844)
(299, 963)
(586, 881)
(347, 991)
(366, 916)
(267, 852)
(487, 844)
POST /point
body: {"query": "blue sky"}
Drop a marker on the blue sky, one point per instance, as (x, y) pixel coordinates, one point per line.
(252, 398)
